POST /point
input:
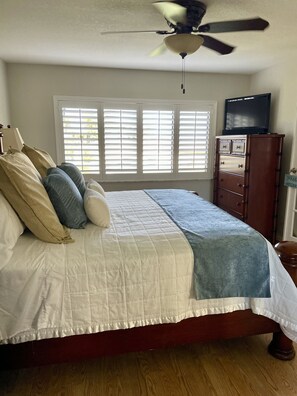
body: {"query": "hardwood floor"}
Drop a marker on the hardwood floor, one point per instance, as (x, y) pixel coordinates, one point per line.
(236, 367)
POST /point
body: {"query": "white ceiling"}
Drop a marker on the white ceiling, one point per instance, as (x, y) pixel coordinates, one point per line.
(67, 32)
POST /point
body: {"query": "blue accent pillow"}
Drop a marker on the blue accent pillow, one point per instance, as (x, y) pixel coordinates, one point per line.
(66, 198)
(75, 174)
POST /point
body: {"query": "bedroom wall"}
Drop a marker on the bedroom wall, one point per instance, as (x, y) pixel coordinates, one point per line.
(4, 105)
(281, 81)
(32, 87)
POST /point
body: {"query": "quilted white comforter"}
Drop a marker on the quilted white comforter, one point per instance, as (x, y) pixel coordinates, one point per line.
(137, 272)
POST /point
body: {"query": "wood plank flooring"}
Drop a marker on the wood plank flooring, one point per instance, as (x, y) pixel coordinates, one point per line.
(236, 367)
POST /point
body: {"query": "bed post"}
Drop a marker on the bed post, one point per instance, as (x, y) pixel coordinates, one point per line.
(281, 346)
(1, 141)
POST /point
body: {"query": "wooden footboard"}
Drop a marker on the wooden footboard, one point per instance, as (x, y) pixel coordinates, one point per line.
(202, 329)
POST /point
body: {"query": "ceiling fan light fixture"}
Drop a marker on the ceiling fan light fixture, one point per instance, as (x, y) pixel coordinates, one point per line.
(183, 43)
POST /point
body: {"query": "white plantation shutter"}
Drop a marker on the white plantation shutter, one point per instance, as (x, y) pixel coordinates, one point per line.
(193, 141)
(120, 140)
(136, 140)
(158, 131)
(80, 134)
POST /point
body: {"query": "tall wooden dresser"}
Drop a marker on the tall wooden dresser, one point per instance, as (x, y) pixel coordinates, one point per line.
(246, 180)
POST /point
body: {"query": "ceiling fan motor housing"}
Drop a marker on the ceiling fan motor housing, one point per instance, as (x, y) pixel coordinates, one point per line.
(195, 12)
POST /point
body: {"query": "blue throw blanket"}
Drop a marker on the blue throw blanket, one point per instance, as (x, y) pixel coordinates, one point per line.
(230, 257)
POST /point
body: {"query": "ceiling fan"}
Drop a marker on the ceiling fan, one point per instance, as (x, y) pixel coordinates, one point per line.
(184, 35)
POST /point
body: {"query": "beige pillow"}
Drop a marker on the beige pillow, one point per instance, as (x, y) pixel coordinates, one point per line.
(41, 159)
(96, 208)
(21, 185)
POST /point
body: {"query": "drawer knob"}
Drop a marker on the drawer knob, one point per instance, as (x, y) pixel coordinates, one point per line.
(238, 203)
(221, 180)
(238, 147)
(222, 162)
(240, 165)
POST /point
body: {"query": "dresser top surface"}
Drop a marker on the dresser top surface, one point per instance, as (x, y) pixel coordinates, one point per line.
(251, 136)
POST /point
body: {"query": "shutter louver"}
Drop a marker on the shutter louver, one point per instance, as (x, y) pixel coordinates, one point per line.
(193, 141)
(80, 133)
(158, 129)
(120, 141)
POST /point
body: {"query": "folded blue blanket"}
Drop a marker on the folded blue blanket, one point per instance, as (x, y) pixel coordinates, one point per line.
(230, 257)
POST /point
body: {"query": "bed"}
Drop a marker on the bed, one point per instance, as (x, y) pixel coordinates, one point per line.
(127, 287)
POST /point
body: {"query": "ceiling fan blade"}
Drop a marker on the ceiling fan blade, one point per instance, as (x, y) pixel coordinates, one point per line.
(138, 31)
(160, 50)
(174, 13)
(234, 26)
(217, 45)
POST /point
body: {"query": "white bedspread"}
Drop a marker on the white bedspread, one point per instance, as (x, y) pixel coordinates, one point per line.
(137, 272)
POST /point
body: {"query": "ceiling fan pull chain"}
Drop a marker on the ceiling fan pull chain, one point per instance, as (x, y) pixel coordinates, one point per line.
(183, 83)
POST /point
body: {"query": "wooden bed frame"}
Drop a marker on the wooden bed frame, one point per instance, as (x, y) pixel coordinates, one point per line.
(201, 329)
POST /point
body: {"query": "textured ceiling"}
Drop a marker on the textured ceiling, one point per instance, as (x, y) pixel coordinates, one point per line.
(67, 32)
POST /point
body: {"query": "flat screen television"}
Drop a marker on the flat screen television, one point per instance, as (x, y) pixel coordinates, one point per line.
(247, 115)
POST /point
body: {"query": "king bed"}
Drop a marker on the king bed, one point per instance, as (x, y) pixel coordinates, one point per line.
(150, 279)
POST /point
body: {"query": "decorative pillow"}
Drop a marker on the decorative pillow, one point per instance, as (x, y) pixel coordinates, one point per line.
(75, 174)
(94, 185)
(11, 226)
(96, 208)
(66, 198)
(21, 185)
(41, 159)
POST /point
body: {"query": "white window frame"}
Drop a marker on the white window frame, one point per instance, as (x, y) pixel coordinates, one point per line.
(98, 102)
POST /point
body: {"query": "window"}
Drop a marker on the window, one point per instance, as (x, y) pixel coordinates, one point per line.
(157, 141)
(145, 140)
(81, 144)
(193, 141)
(120, 140)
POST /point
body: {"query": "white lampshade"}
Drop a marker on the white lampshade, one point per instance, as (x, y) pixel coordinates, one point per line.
(12, 139)
(183, 43)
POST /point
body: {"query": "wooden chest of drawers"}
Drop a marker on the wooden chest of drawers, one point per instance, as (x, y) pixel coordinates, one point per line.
(246, 180)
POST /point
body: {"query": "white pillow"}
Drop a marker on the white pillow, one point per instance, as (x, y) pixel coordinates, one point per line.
(11, 226)
(93, 185)
(96, 208)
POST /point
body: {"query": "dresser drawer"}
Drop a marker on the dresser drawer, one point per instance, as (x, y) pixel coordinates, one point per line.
(229, 181)
(225, 146)
(229, 200)
(234, 164)
(238, 146)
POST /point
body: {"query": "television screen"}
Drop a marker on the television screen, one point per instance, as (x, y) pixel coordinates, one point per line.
(247, 114)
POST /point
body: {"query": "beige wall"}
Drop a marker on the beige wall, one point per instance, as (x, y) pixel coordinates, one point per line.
(32, 88)
(4, 103)
(281, 81)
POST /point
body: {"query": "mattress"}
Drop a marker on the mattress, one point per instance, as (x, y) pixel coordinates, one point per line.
(137, 272)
